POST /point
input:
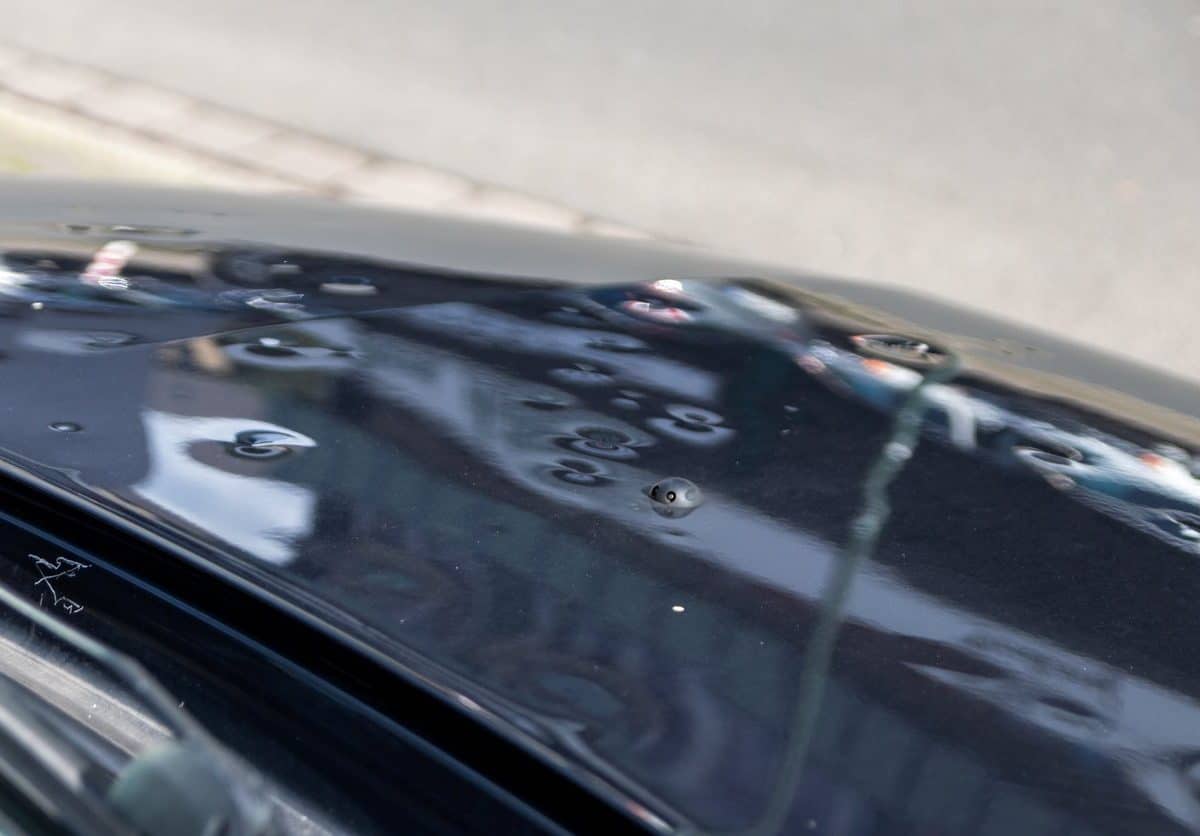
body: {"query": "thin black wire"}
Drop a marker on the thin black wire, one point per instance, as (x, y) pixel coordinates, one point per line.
(864, 535)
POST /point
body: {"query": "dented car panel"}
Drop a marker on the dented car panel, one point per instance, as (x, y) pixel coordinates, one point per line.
(601, 510)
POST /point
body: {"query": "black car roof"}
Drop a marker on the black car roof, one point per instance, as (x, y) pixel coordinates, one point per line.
(457, 466)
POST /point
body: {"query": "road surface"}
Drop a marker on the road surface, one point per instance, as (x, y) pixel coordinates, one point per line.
(1037, 160)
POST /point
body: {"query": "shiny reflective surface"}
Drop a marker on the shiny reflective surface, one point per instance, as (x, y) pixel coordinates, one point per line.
(463, 471)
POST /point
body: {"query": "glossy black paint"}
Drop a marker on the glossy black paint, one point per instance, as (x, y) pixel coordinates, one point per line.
(339, 733)
(443, 441)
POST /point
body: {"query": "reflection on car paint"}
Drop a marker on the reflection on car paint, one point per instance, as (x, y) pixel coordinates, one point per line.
(1152, 493)
(468, 478)
(478, 325)
(692, 425)
(106, 265)
(254, 512)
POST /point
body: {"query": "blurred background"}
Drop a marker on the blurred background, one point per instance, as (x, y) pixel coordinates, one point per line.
(1038, 161)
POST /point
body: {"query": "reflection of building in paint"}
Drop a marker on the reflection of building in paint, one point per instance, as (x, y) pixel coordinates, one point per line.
(1149, 491)
(262, 516)
(481, 326)
(322, 345)
(78, 342)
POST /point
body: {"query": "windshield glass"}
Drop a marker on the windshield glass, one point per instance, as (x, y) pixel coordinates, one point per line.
(89, 742)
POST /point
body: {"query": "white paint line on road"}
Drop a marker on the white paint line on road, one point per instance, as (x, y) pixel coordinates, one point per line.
(102, 125)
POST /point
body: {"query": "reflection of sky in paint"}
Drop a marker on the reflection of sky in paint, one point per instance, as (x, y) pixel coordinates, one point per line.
(1138, 724)
(258, 515)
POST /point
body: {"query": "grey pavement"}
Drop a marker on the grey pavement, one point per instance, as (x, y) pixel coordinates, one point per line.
(1035, 160)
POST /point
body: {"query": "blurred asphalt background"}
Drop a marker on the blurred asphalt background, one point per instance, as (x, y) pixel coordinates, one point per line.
(1039, 161)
